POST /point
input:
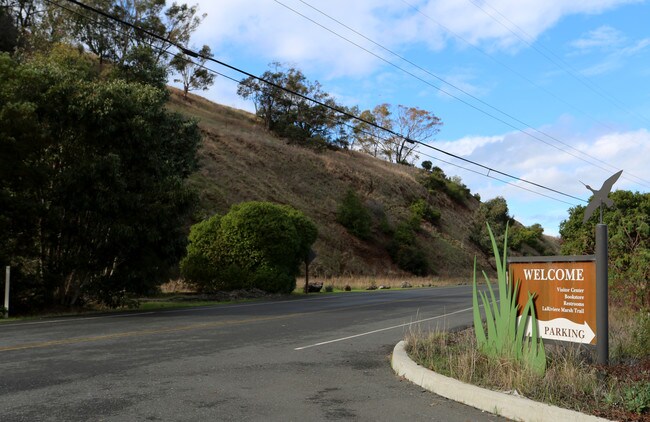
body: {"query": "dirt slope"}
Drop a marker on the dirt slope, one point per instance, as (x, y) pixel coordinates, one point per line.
(240, 161)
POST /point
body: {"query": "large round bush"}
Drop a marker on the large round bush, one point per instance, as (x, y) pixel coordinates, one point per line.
(257, 244)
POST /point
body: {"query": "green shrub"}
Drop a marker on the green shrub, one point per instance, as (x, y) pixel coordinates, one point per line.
(629, 245)
(505, 337)
(495, 213)
(521, 235)
(256, 245)
(457, 191)
(273, 280)
(640, 345)
(412, 259)
(423, 210)
(203, 266)
(405, 251)
(354, 216)
(636, 398)
(436, 180)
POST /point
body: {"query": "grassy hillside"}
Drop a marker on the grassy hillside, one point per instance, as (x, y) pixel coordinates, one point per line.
(240, 161)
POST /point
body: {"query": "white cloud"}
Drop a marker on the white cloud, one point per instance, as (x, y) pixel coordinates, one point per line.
(610, 43)
(602, 38)
(460, 81)
(270, 30)
(517, 154)
(467, 145)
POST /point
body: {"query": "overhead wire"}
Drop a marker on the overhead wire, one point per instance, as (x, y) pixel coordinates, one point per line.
(558, 61)
(160, 49)
(315, 101)
(488, 175)
(639, 180)
(510, 69)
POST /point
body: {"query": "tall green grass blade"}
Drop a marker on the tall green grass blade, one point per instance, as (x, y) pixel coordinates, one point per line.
(504, 336)
(493, 302)
(478, 323)
(538, 359)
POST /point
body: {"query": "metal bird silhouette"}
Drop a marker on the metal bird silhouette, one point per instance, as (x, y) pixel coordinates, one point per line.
(600, 197)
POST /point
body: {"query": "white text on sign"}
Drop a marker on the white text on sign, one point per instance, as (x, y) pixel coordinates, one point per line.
(554, 274)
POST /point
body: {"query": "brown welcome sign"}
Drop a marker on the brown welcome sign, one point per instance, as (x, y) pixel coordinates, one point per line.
(565, 295)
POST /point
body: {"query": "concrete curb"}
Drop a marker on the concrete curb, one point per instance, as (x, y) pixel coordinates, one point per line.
(512, 407)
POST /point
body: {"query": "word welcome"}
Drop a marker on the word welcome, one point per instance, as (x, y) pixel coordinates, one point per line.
(553, 274)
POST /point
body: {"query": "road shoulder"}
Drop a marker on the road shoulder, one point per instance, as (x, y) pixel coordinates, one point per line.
(509, 406)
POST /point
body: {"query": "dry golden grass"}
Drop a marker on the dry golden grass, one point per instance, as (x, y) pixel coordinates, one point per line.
(571, 379)
(339, 283)
(176, 286)
(364, 282)
(240, 161)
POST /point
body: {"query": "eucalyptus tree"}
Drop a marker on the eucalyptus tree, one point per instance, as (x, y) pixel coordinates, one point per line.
(403, 124)
(192, 72)
(283, 100)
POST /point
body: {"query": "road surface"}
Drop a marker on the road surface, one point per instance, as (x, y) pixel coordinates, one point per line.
(319, 358)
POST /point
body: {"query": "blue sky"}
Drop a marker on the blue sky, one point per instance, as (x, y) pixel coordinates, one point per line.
(571, 73)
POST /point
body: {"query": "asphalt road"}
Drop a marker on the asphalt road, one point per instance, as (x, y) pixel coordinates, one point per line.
(321, 358)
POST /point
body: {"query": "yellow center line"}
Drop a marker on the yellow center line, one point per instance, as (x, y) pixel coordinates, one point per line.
(76, 340)
(204, 325)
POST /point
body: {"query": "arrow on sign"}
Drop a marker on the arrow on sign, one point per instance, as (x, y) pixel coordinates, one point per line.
(564, 330)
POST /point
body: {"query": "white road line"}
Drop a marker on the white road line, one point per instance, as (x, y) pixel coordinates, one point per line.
(198, 308)
(382, 329)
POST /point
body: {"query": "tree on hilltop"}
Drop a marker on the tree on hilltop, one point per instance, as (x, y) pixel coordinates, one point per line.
(411, 123)
(284, 110)
(192, 73)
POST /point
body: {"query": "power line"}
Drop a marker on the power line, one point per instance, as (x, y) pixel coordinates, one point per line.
(566, 67)
(329, 107)
(488, 175)
(496, 178)
(155, 47)
(508, 115)
(509, 68)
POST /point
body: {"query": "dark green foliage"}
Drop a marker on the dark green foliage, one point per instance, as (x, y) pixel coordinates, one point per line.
(521, 235)
(256, 245)
(202, 265)
(192, 71)
(404, 247)
(140, 65)
(8, 32)
(629, 244)
(495, 213)
(427, 165)
(405, 251)
(423, 210)
(457, 190)
(92, 197)
(302, 122)
(354, 216)
(436, 180)
(412, 259)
